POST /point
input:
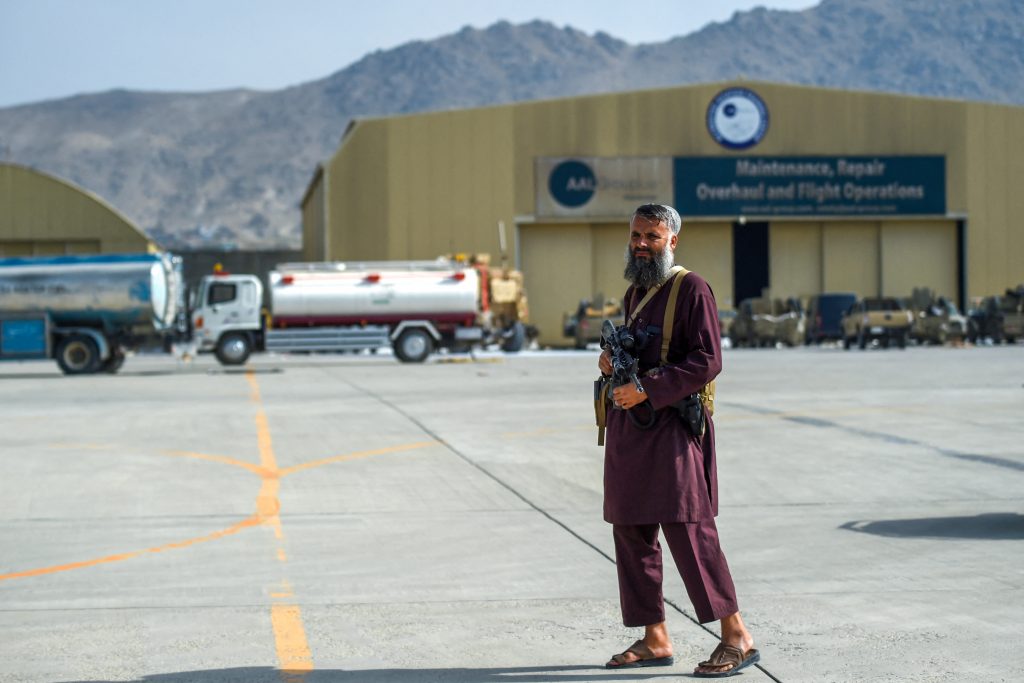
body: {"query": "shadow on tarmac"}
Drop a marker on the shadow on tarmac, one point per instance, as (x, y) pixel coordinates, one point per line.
(512, 674)
(996, 526)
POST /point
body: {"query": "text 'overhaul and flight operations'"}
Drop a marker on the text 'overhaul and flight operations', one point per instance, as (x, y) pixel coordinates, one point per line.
(736, 183)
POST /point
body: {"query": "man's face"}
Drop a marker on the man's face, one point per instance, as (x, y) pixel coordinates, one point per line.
(648, 240)
(650, 252)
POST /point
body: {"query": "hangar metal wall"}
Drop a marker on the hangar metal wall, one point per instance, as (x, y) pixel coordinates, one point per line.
(423, 185)
(43, 215)
(994, 209)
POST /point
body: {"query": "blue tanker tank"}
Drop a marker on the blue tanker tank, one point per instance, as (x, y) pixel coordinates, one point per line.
(89, 308)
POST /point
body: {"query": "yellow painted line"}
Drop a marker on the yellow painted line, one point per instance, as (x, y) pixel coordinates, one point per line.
(255, 469)
(293, 653)
(267, 512)
(356, 456)
(233, 529)
(290, 636)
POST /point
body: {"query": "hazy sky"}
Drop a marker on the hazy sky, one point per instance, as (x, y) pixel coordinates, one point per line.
(58, 48)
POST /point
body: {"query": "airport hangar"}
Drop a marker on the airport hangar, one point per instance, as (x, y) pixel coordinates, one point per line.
(41, 215)
(793, 189)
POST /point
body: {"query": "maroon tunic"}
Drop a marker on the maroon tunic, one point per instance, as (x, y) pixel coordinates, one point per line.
(664, 474)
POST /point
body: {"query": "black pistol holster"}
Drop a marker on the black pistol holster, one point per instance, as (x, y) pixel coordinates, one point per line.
(691, 410)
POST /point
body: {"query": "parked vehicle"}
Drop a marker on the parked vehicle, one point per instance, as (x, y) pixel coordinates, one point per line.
(998, 318)
(583, 325)
(825, 313)
(883, 319)
(414, 307)
(936, 318)
(763, 322)
(85, 312)
(789, 322)
(744, 328)
(726, 316)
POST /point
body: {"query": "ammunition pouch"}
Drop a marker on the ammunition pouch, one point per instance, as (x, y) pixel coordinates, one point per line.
(707, 397)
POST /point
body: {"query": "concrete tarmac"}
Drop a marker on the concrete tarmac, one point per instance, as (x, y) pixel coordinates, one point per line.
(343, 518)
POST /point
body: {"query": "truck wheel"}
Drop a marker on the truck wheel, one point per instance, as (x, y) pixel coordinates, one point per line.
(846, 342)
(77, 355)
(901, 340)
(513, 338)
(862, 340)
(114, 363)
(233, 349)
(413, 345)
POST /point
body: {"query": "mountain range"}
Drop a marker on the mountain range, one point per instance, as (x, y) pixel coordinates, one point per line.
(228, 168)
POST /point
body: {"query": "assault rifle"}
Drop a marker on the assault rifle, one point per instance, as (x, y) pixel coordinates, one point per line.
(622, 344)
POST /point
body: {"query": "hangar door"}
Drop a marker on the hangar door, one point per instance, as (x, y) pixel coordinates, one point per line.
(557, 266)
(869, 258)
(564, 263)
(920, 254)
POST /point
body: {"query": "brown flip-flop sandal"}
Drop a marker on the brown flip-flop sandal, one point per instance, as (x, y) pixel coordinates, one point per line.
(724, 655)
(645, 658)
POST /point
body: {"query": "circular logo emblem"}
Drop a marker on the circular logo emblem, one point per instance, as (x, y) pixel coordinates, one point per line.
(572, 183)
(737, 118)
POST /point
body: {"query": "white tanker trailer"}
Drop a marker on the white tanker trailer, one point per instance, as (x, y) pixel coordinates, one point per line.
(86, 311)
(412, 306)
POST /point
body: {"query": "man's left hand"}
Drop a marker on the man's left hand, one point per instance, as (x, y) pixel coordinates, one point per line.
(627, 396)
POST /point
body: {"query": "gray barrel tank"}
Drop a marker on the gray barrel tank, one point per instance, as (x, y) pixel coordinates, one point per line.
(112, 291)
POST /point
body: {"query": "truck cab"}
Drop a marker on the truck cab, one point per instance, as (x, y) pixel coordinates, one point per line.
(226, 316)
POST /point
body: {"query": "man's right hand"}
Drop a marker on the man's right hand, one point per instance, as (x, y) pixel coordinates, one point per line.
(604, 363)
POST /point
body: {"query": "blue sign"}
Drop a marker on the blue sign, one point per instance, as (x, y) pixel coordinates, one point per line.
(572, 183)
(810, 186)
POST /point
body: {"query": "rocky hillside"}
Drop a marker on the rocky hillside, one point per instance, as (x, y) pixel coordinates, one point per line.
(206, 169)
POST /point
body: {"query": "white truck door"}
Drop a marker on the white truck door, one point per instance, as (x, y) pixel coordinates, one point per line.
(231, 304)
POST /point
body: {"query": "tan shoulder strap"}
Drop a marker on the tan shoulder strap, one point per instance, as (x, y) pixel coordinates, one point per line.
(670, 313)
(650, 295)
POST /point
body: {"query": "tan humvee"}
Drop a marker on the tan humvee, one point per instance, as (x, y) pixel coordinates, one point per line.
(584, 324)
(936, 318)
(763, 321)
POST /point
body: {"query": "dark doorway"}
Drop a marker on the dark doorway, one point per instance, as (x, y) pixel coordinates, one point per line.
(749, 260)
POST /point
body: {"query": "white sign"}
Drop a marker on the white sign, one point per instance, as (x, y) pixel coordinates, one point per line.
(605, 187)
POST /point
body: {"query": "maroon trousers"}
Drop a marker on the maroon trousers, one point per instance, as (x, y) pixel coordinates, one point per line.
(698, 557)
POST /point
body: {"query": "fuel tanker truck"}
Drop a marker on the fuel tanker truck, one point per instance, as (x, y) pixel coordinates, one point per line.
(414, 307)
(86, 311)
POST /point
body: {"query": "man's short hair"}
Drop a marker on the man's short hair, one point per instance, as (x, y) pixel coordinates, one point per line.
(659, 213)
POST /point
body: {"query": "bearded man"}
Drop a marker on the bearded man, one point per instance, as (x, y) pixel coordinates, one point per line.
(664, 478)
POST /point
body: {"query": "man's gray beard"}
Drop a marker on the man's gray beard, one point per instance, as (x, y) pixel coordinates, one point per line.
(644, 273)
